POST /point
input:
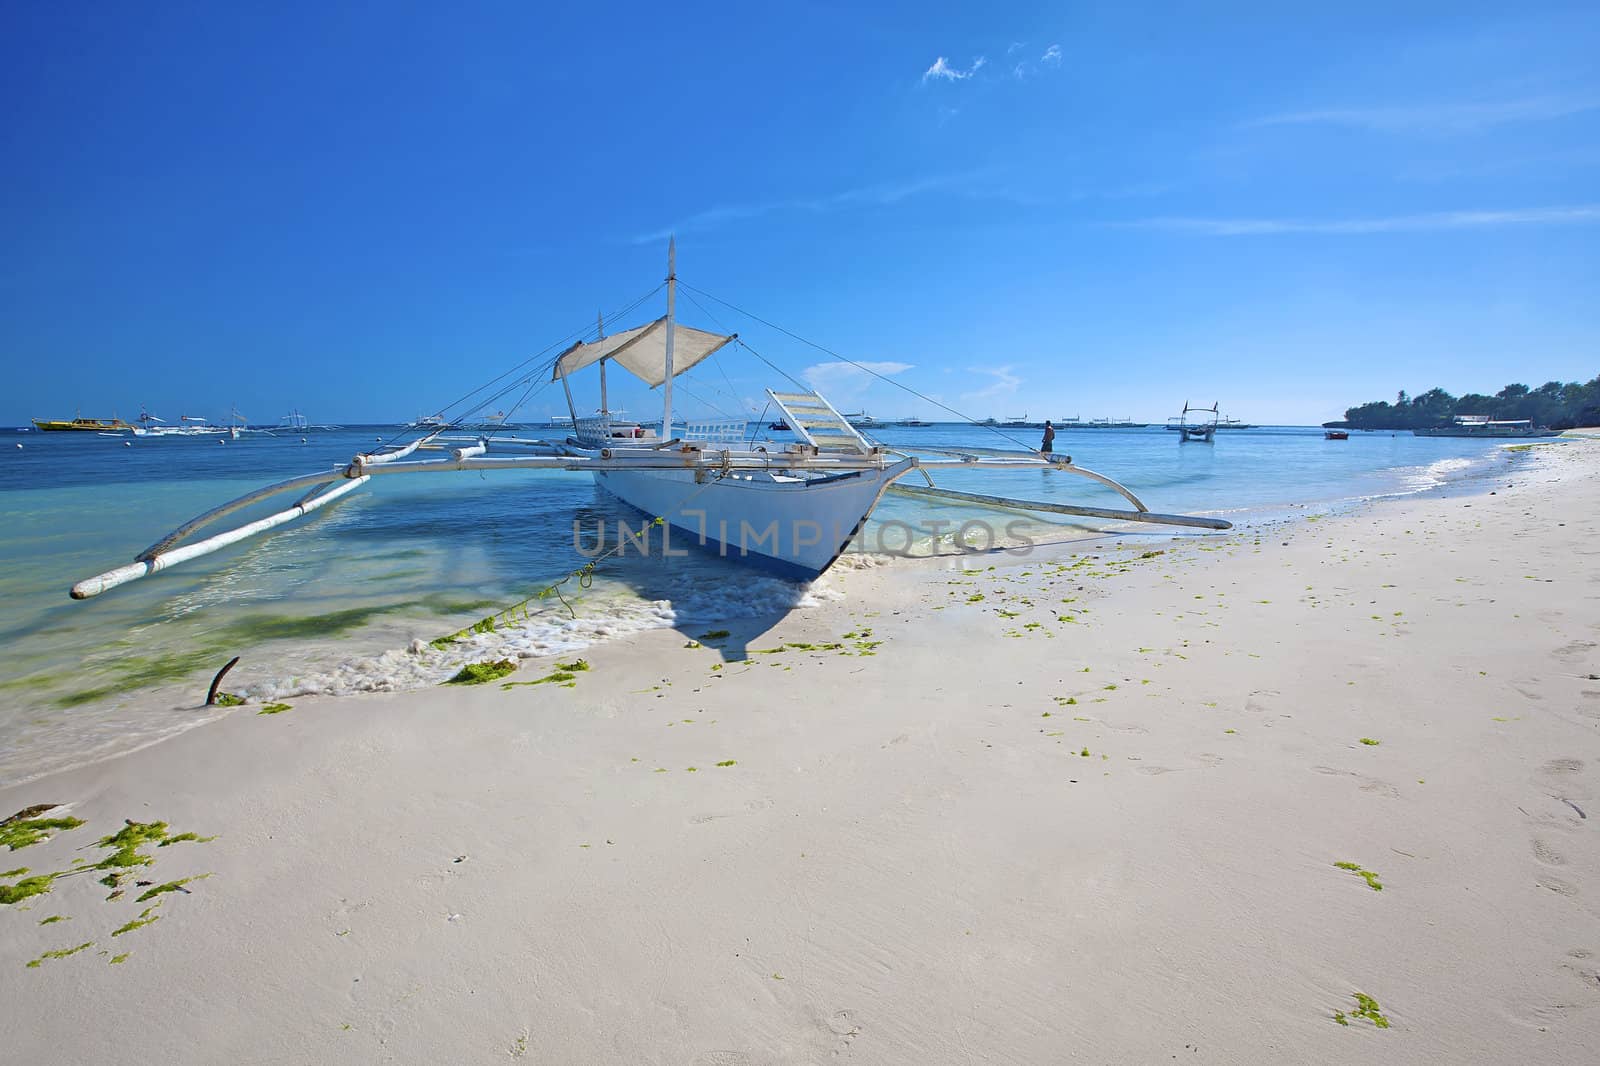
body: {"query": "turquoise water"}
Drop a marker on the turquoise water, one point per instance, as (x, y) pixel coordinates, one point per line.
(332, 603)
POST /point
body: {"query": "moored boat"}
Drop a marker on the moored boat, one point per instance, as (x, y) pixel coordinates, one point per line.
(790, 508)
(82, 425)
(1486, 427)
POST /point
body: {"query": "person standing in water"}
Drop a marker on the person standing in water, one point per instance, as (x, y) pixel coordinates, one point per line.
(1049, 444)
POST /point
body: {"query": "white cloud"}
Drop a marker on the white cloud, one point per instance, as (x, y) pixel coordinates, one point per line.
(1004, 386)
(1438, 118)
(843, 381)
(1583, 214)
(1052, 55)
(942, 69)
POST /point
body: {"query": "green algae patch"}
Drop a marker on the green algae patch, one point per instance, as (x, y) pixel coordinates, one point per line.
(24, 832)
(577, 666)
(714, 634)
(54, 918)
(183, 837)
(170, 886)
(275, 708)
(482, 673)
(256, 628)
(727, 762)
(228, 699)
(1369, 742)
(18, 872)
(145, 918)
(118, 959)
(126, 843)
(28, 887)
(1367, 1007)
(59, 953)
(1368, 876)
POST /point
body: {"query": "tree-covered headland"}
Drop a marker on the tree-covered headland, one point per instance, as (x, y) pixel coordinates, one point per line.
(1552, 404)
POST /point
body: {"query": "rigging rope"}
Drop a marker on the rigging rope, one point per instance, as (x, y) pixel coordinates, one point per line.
(844, 359)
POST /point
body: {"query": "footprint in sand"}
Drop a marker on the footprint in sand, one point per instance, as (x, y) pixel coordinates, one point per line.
(1260, 701)
(1558, 886)
(1562, 766)
(1546, 854)
(842, 1024)
(1368, 784)
(1581, 965)
(1575, 652)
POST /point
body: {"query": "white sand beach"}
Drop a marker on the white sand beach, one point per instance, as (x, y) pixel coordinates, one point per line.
(993, 809)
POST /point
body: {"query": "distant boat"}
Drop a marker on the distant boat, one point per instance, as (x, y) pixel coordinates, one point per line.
(83, 425)
(428, 422)
(1198, 428)
(1020, 422)
(1336, 434)
(913, 422)
(860, 419)
(1107, 423)
(1484, 426)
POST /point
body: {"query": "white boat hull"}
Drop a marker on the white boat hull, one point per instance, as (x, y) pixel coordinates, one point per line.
(794, 528)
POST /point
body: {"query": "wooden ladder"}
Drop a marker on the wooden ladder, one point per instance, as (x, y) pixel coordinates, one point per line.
(815, 421)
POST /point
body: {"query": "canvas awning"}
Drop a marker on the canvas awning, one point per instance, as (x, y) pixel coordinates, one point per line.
(642, 351)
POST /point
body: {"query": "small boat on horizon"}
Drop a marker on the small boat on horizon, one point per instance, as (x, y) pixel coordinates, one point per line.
(79, 424)
(1336, 434)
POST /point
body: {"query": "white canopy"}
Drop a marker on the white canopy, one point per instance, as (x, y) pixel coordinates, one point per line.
(642, 351)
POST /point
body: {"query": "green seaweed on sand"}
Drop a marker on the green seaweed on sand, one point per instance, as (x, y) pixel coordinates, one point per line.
(183, 837)
(228, 699)
(482, 673)
(1370, 742)
(59, 953)
(116, 959)
(126, 842)
(28, 887)
(18, 872)
(23, 832)
(54, 918)
(1084, 753)
(1368, 876)
(170, 886)
(145, 918)
(1366, 1007)
(727, 762)
(275, 708)
(714, 634)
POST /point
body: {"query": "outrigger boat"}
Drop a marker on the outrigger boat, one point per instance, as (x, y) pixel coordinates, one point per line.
(790, 508)
(1200, 428)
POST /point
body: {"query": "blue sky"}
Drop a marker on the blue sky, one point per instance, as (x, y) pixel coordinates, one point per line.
(363, 210)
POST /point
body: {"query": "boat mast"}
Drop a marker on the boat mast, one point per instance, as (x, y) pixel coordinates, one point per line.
(600, 328)
(672, 293)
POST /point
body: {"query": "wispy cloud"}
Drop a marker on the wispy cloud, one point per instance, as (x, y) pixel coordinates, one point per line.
(1582, 214)
(1025, 67)
(845, 381)
(1004, 385)
(942, 69)
(883, 194)
(1438, 118)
